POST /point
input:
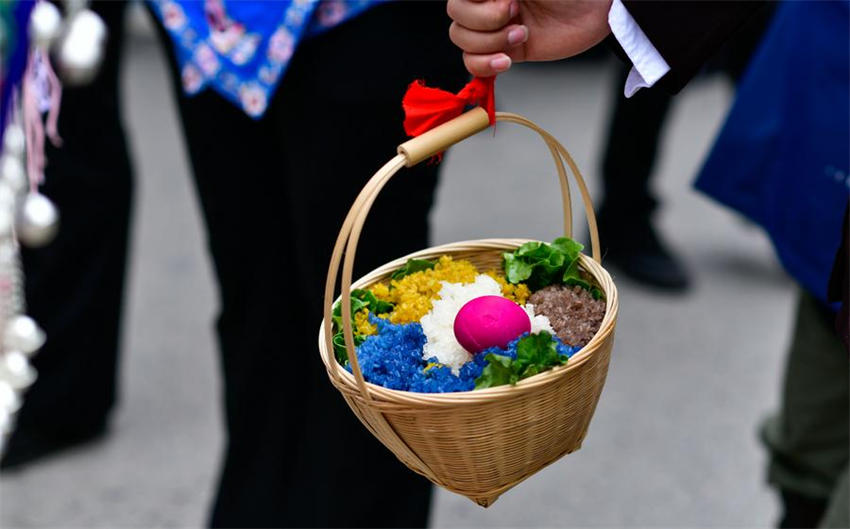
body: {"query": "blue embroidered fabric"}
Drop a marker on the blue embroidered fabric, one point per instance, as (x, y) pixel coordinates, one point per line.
(241, 48)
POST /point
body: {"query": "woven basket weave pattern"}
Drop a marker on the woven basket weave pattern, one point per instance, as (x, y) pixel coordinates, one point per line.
(477, 443)
(481, 447)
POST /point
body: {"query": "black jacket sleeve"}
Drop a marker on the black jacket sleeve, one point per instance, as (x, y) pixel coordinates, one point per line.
(687, 33)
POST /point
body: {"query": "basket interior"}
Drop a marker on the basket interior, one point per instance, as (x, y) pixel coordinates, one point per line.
(483, 442)
(485, 254)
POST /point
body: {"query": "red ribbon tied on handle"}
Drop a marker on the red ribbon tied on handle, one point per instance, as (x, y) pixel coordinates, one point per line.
(426, 108)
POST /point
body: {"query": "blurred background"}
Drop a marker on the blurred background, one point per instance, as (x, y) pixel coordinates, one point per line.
(674, 439)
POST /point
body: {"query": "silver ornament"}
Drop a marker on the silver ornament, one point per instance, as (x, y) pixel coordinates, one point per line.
(37, 221)
(16, 371)
(14, 141)
(7, 422)
(11, 278)
(7, 222)
(81, 47)
(45, 23)
(7, 196)
(23, 334)
(9, 399)
(13, 172)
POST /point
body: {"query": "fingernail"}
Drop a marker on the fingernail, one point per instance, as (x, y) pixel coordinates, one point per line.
(514, 9)
(517, 35)
(500, 64)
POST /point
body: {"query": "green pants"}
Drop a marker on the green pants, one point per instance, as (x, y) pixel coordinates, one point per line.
(808, 439)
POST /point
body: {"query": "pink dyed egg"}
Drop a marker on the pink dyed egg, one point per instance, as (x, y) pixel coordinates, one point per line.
(489, 321)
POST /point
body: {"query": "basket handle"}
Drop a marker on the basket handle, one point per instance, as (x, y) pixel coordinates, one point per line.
(444, 136)
(410, 153)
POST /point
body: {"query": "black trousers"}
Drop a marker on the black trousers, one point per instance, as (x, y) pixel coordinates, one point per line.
(633, 136)
(274, 193)
(74, 286)
(635, 130)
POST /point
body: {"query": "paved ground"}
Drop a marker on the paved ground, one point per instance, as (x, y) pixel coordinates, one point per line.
(673, 442)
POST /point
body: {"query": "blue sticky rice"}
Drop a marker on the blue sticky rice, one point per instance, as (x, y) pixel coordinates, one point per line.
(393, 358)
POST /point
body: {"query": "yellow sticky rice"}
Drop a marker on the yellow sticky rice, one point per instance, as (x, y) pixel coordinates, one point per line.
(412, 294)
(362, 325)
(518, 293)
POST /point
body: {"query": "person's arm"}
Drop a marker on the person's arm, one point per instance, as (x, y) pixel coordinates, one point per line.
(633, 45)
(687, 33)
(683, 34)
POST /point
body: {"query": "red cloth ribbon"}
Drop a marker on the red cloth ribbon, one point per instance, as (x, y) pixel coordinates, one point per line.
(426, 108)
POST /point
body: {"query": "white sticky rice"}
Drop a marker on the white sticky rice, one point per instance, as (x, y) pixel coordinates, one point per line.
(538, 323)
(438, 324)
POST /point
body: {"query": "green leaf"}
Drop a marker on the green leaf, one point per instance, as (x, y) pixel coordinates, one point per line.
(516, 269)
(369, 301)
(412, 266)
(360, 299)
(574, 276)
(568, 247)
(536, 353)
(340, 351)
(527, 248)
(498, 372)
(539, 265)
(357, 305)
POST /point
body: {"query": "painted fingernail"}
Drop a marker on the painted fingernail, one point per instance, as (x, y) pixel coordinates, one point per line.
(514, 9)
(517, 35)
(500, 64)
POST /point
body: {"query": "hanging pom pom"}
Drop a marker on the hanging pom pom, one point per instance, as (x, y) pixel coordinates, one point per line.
(81, 48)
(14, 142)
(9, 400)
(426, 108)
(45, 24)
(37, 221)
(12, 172)
(23, 334)
(15, 370)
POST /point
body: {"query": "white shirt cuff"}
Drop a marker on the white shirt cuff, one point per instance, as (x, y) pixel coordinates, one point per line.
(648, 65)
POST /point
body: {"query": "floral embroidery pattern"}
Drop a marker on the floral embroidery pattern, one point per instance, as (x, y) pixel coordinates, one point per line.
(281, 46)
(173, 17)
(253, 99)
(242, 48)
(192, 78)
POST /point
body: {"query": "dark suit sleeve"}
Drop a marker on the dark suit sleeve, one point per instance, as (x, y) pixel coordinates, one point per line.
(687, 33)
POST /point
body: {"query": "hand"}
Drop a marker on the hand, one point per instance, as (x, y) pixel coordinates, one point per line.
(495, 33)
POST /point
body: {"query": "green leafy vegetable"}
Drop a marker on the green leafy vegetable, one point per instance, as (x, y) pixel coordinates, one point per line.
(360, 299)
(573, 276)
(539, 265)
(498, 372)
(535, 353)
(568, 246)
(412, 266)
(340, 351)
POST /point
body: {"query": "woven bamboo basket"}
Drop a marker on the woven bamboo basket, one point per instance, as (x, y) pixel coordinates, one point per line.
(476, 443)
